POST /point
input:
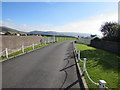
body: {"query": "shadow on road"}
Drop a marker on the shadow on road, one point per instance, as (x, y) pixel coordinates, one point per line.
(70, 58)
(67, 67)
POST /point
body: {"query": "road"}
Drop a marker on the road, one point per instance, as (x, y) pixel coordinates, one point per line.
(52, 66)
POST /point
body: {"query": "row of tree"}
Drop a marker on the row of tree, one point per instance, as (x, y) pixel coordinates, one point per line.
(111, 31)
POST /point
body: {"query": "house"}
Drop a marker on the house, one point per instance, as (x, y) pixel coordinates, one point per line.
(2, 33)
(8, 33)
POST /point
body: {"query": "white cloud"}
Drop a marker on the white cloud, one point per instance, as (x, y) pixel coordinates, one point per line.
(91, 25)
(8, 24)
(27, 28)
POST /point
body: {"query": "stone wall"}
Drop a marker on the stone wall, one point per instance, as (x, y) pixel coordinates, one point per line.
(15, 42)
(86, 41)
(110, 46)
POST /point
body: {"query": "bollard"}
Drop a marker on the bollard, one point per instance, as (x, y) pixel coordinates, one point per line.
(33, 46)
(45, 42)
(6, 52)
(84, 66)
(22, 48)
(102, 84)
(78, 55)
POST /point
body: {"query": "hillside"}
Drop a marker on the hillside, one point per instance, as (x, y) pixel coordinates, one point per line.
(7, 29)
(59, 33)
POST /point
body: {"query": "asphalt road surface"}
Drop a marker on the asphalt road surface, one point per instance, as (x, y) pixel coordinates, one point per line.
(52, 66)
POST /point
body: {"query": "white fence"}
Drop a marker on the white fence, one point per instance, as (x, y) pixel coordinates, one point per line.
(7, 51)
(101, 83)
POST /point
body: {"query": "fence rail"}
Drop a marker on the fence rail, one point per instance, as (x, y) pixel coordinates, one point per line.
(101, 83)
(6, 52)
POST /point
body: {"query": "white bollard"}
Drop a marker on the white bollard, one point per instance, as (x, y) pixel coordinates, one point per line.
(78, 55)
(33, 46)
(102, 84)
(45, 42)
(22, 48)
(84, 66)
(6, 52)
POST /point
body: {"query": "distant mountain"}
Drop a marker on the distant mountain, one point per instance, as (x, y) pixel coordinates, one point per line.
(43, 32)
(59, 33)
(8, 29)
(11, 30)
(5, 29)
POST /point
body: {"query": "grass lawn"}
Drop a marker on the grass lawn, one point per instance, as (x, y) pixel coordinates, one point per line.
(101, 65)
(20, 52)
(63, 39)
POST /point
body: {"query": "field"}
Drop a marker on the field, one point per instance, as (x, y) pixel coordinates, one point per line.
(59, 39)
(101, 65)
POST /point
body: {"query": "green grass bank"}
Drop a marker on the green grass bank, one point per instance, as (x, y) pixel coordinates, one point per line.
(101, 65)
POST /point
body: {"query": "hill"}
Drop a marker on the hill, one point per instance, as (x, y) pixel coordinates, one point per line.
(7, 29)
(59, 33)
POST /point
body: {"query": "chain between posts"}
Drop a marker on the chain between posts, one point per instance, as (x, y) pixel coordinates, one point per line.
(102, 82)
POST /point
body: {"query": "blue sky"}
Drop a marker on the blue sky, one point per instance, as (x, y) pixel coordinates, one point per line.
(54, 15)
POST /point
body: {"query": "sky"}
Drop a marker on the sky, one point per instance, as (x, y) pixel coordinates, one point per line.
(80, 17)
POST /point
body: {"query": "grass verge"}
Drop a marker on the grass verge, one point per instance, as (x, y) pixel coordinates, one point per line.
(101, 65)
(25, 50)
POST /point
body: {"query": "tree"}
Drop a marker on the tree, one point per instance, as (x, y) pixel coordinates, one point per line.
(111, 31)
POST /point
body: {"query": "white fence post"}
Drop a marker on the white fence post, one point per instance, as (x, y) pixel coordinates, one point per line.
(6, 52)
(102, 84)
(45, 42)
(22, 48)
(84, 66)
(48, 39)
(33, 45)
(78, 54)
